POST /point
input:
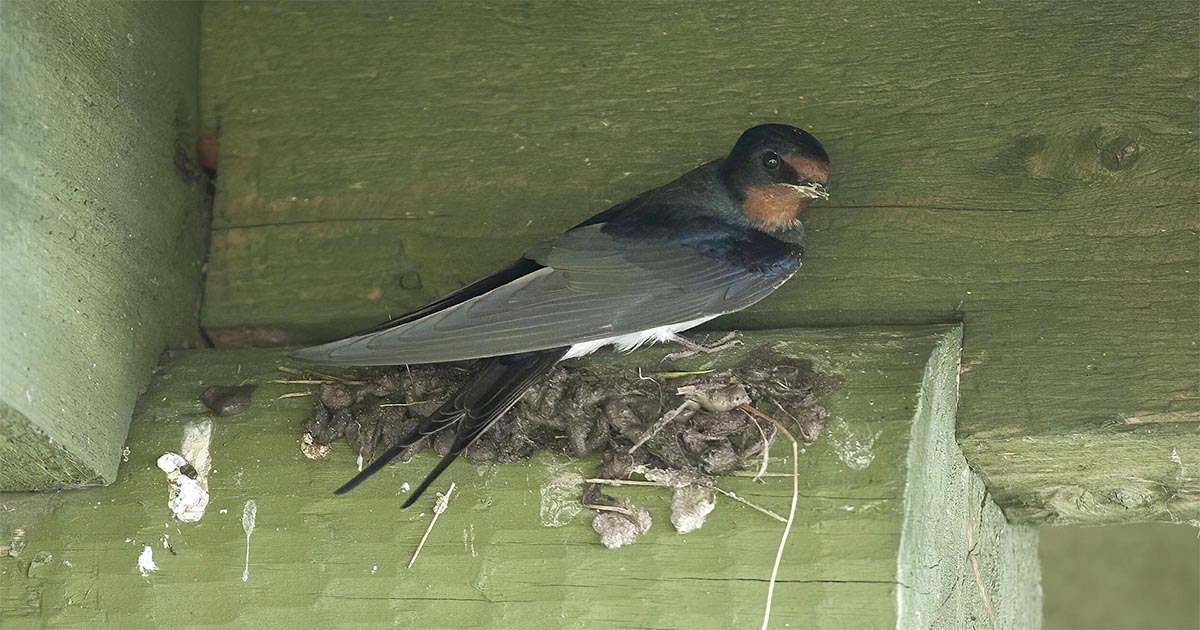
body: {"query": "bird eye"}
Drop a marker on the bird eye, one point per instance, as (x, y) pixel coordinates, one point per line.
(771, 160)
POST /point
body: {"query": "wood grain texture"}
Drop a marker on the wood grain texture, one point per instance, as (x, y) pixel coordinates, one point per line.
(317, 560)
(102, 243)
(1134, 576)
(1028, 170)
(947, 509)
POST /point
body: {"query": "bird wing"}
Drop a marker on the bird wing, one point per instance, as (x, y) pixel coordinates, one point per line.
(591, 285)
(491, 392)
(520, 268)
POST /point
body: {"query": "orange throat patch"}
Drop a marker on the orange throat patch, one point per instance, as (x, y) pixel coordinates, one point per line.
(774, 207)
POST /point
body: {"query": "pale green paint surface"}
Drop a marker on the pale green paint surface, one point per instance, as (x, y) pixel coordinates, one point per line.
(947, 511)
(377, 158)
(319, 561)
(101, 246)
(1144, 576)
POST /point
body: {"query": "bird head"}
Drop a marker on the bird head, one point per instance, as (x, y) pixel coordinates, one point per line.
(775, 171)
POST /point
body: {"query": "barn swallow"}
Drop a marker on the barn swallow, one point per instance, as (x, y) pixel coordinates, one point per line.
(714, 241)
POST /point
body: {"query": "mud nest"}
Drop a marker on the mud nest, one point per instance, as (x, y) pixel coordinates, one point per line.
(687, 427)
(579, 410)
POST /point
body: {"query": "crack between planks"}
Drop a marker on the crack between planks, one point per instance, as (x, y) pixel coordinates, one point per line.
(927, 207)
(216, 228)
(222, 228)
(430, 599)
(765, 580)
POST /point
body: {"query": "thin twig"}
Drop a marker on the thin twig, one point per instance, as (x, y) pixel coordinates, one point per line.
(787, 528)
(766, 458)
(799, 425)
(298, 381)
(407, 404)
(439, 506)
(607, 508)
(789, 414)
(628, 482)
(293, 395)
(979, 579)
(760, 508)
(747, 473)
(664, 421)
(671, 375)
(659, 484)
(287, 370)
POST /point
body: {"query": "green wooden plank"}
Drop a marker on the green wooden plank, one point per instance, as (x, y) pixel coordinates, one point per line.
(103, 242)
(948, 509)
(1152, 585)
(319, 560)
(1029, 170)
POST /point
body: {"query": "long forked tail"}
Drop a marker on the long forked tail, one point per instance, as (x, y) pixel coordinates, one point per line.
(475, 408)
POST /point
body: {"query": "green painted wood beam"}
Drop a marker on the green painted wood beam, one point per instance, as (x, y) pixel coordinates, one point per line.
(1027, 170)
(1144, 575)
(102, 242)
(880, 545)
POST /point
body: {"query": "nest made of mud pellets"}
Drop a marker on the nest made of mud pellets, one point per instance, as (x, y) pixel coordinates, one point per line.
(583, 409)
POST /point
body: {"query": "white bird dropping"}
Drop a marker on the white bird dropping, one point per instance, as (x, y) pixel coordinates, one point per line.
(248, 514)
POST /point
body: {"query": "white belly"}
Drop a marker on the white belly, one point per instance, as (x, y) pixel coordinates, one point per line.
(632, 341)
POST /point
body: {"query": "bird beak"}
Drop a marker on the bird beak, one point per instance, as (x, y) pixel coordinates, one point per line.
(812, 190)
